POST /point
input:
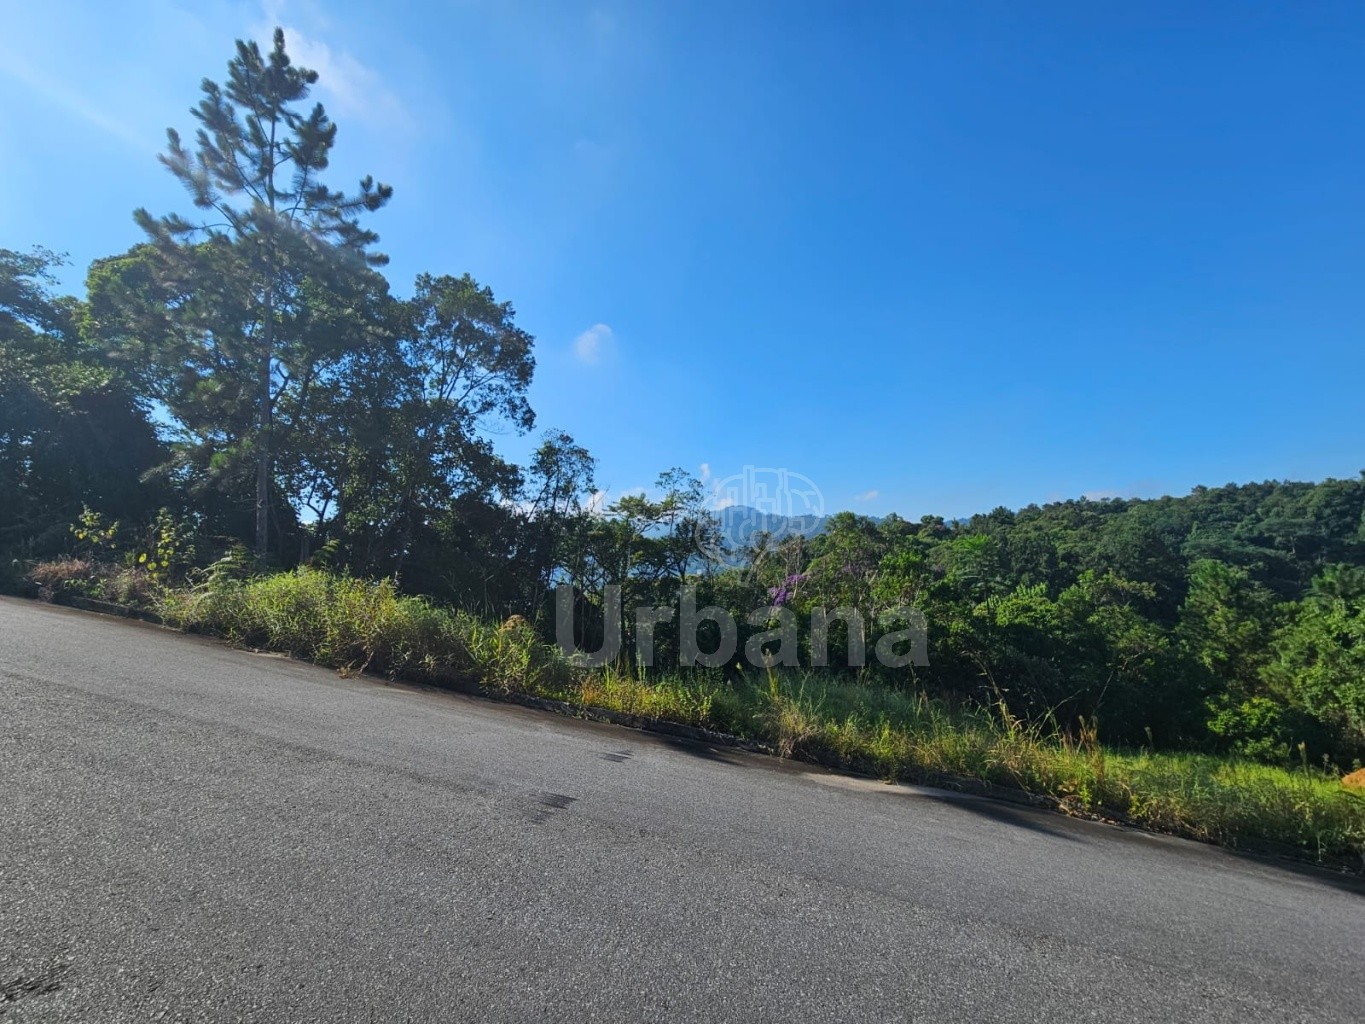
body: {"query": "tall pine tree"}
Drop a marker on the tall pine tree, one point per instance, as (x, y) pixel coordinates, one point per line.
(243, 277)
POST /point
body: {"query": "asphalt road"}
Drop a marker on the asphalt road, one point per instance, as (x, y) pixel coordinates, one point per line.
(193, 833)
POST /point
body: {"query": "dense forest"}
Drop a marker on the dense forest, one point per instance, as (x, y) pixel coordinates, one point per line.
(243, 389)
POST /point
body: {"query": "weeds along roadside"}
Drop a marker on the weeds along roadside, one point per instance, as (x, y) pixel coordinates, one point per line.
(356, 626)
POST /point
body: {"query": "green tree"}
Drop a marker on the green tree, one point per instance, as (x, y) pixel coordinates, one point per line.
(1321, 656)
(1089, 652)
(72, 432)
(1226, 625)
(1226, 622)
(668, 537)
(405, 418)
(555, 519)
(240, 283)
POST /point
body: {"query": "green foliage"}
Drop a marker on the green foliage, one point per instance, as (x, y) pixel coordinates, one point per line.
(64, 578)
(168, 547)
(1120, 615)
(71, 430)
(404, 477)
(1256, 727)
(1226, 621)
(661, 540)
(909, 736)
(1157, 619)
(235, 316)
(94, 536)
(357, 626)
(1321, 655)
(684, 699)
(511, 658)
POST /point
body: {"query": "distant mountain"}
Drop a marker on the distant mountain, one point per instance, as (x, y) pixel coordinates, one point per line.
(740, 524)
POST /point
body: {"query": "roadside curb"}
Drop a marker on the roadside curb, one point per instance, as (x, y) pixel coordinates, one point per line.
(1281, 855)
(949, 783)
(123, 611)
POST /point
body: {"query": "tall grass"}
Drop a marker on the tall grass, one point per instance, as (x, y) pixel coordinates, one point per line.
(362, 626)
(909, 737)
(684, 699)
(355, 626)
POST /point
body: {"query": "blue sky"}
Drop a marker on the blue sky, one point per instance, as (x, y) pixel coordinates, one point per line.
(935, 257)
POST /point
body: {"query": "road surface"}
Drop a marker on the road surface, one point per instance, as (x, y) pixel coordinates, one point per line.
(189, 832)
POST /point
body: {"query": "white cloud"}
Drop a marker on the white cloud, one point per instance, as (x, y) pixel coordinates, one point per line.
(592, 344)
(706, 472)
(100, 80)
(867, 496)
(355, 88)
(350, 88)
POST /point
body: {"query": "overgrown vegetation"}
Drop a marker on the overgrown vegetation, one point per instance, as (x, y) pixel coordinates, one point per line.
(239, 424)
(354, 625)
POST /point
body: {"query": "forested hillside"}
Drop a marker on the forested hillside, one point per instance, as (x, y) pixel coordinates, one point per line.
(1233, 616)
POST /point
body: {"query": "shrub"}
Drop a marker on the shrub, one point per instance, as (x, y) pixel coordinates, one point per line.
(131, 586)
(1255, 727)
(358, 625)
(683, 699)
(167, 546)
(64, 576)
(99, 580)
(95, 536)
